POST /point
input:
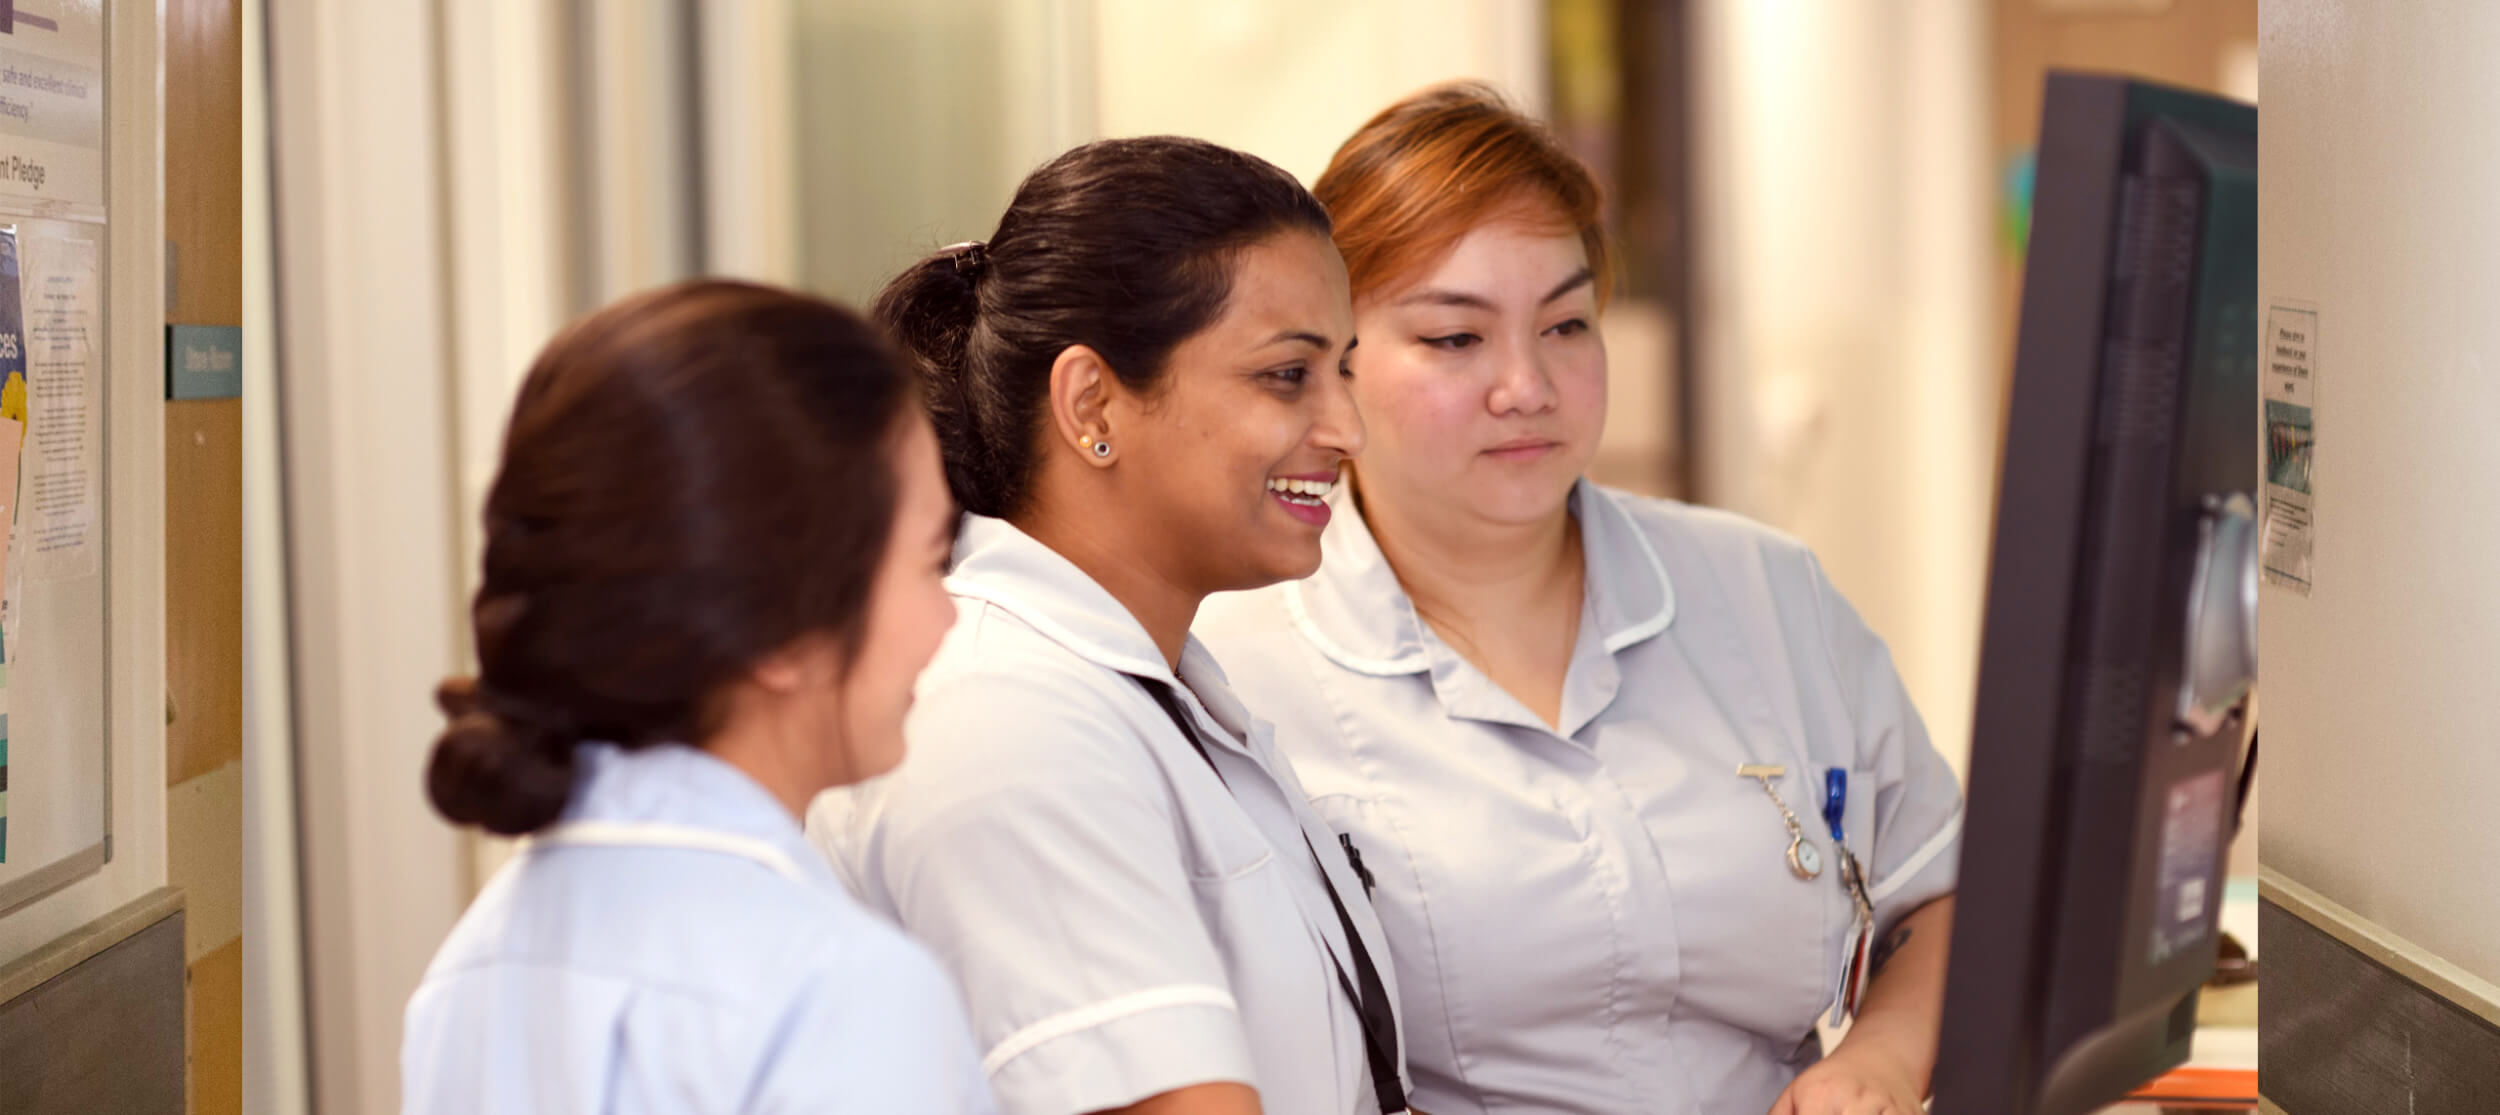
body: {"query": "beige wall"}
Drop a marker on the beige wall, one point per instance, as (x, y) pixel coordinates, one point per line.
(2377, 169)
(1844, 388)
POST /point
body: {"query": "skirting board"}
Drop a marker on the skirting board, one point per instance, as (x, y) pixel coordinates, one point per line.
(2357, 1018)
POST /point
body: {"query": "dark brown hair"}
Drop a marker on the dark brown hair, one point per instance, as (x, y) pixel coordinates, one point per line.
(1123, 245)
(692, 479)
(1417, 178)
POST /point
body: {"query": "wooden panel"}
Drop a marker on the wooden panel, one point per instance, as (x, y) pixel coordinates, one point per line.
(203, 586)
(106, 1035)
(217, 1032)
(2183, 44)
(204, 159)
(2343, 1032)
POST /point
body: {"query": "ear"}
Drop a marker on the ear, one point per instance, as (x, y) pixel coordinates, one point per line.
(1081, 386)
(807, 662)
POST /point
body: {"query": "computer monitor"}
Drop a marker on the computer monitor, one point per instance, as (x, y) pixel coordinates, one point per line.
(2119, 648)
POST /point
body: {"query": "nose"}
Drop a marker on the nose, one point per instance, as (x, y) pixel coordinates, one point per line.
(1520, 384)
(1340, 426)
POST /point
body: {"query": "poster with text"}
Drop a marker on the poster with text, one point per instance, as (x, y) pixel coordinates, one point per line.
(13, 428)
(2291, 360)
(52, 105)
(59, 521)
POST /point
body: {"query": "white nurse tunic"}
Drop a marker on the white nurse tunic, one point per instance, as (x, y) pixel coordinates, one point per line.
(1601, 918)
(1124, 918)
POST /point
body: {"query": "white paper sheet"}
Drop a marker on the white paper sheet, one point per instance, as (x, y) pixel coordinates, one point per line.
(59, 521)
(2291, 358)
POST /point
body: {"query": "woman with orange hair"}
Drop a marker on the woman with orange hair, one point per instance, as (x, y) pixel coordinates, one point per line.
(1643, 799)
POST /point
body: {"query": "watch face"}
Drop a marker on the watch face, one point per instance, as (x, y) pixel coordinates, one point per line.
(1809, 863)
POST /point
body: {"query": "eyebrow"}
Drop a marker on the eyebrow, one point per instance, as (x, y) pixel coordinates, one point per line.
(1312, 339)
(1437, 297)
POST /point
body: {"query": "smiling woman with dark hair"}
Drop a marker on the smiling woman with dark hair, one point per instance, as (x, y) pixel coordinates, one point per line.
(1139, 384)
(713, 556)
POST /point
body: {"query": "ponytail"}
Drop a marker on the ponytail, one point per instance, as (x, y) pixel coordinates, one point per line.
(931, 312)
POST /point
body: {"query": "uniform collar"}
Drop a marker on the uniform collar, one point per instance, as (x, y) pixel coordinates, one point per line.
(1355, 611)
(1001, 565)
(678, 785)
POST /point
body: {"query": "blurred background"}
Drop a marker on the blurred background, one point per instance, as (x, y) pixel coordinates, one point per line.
(1822, 205)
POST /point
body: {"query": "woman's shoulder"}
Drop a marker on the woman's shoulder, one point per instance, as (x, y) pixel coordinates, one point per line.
(1682, 534)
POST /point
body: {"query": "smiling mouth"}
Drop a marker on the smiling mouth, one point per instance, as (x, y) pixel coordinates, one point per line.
(1301, 493)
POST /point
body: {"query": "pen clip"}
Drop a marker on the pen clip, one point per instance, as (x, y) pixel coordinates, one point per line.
(1835, 801)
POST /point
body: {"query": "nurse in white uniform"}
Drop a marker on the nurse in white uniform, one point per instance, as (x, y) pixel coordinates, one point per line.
(1137, 383)
(713, 566)
(1584, 741)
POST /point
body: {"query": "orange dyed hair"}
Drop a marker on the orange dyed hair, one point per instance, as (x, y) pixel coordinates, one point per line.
(1416, 179)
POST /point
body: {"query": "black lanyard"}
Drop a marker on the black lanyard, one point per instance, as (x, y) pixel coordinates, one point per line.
(1371, 997)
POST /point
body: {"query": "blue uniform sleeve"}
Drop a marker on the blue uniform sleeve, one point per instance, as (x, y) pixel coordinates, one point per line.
(871, 1026)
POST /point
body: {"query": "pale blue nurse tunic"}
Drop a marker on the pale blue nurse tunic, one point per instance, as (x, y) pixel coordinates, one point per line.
(675, 946)
(1601, 918)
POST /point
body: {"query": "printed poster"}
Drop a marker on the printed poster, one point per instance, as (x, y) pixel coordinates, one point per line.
(13, 427)
(59, 519)
(52, 103)
(2291, 443)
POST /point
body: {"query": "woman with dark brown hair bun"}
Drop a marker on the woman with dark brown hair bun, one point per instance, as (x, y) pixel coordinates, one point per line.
(714, 552)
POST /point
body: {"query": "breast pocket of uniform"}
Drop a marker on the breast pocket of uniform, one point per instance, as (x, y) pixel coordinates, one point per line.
(1221, 847)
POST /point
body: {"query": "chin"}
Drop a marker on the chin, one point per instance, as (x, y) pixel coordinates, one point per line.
(1522, 503)
(1277, 566)
(880, 757)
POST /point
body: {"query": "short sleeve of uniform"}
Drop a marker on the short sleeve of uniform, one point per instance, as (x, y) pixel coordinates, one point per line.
(1916, 851)
(872, 1026)
(1030, 842)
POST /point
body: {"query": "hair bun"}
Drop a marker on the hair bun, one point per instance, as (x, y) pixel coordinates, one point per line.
(503, 776)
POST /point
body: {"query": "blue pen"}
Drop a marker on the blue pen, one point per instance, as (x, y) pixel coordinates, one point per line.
(1835, 800)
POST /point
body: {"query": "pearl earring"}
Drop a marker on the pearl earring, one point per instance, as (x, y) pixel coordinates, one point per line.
(1100, 448)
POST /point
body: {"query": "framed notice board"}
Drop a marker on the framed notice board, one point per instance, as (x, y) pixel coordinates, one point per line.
(57, 425)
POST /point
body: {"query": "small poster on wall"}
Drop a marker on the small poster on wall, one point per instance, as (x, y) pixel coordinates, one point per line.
(2291, 358)
(49, 311)
(13, 430)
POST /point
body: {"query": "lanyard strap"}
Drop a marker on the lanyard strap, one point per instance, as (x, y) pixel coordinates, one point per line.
(1370, 996)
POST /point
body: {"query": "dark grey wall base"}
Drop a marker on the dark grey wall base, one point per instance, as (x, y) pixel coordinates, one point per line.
(2340, 1032)
(105, 1034)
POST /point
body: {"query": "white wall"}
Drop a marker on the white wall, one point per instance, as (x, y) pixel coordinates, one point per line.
(2377, 167)
(1846, 390)
(364, 364)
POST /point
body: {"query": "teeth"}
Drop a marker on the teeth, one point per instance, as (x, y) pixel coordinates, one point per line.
(1311, 491)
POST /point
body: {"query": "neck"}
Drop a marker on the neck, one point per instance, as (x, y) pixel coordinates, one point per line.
(1460, 567)
(1163, 608)
(766, 757)
(788, 761)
